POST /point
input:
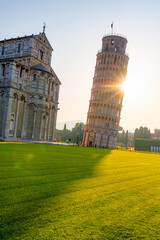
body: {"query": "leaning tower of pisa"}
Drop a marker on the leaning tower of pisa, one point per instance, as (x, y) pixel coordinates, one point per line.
(105, 104)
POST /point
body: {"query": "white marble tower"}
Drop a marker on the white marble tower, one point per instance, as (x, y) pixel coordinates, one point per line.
(105, 104)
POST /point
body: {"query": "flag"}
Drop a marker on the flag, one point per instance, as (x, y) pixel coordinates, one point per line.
(112, 25)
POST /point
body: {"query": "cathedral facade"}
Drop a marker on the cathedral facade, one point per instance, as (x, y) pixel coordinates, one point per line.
(105, 104)
(29, 89)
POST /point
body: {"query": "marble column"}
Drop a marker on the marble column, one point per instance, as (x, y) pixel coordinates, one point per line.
(16, 120)
(34, 123)
(40, 136)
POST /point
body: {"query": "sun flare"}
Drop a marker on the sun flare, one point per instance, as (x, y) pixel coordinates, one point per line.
(129, 86)
(125, 86)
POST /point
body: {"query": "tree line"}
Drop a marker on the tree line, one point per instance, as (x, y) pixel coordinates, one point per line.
(124, 138)
(75, 135)
(142, 132)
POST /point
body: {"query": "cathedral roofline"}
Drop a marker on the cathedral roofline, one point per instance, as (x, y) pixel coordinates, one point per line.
(17, 38)
(54, 74)
(26, 37)
(44, 35)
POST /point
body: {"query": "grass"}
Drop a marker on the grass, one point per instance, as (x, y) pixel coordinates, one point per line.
(58, 192)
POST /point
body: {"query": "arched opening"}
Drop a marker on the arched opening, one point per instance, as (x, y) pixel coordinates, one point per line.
(12, 125)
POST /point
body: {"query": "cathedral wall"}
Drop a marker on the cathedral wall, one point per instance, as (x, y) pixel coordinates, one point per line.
(19, 77)
(41, 51)
(40, 82)
(15, 48)
(30, 109)
(5, 73)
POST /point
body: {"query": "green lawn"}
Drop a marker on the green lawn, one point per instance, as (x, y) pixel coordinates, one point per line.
(60, 192)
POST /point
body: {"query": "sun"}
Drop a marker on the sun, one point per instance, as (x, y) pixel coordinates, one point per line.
(134, 87)
(124, 86)
(127, 86)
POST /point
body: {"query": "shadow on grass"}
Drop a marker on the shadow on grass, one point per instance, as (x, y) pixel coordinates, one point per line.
(33, 177)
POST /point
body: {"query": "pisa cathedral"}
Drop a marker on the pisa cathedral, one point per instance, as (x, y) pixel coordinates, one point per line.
(105, 104)
(29, 89)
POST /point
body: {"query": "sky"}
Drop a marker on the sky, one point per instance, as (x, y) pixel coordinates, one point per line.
(75, 29)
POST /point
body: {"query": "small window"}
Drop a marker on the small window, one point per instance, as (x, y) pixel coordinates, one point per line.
(48, 89)
(34, 77)
(52, 86)
(21, 70)
(3, 70)
(3, 48)
(41, 54)
(19, 47)
(12, 124)
(112, 42)
(115, 59)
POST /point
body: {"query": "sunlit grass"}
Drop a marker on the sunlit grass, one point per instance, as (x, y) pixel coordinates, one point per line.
(58, 192)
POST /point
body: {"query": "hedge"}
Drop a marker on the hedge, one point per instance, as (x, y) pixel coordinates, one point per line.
(145, 144)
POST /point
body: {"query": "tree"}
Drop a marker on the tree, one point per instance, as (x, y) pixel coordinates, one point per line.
(76, 135)
(146, 133)
(142, 132)
(123, 137)
(136, 133)
(77, 132)
(64, 134)
(126, 139)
